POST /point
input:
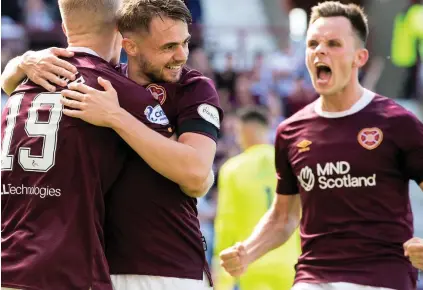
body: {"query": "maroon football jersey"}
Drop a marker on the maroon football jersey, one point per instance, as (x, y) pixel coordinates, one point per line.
(55, 172)
(152, 226)
(352, 171)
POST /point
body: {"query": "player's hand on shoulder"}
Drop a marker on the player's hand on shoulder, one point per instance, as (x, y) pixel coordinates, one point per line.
(46, 69)
(91, 105)
(413, 249)
(234, 260)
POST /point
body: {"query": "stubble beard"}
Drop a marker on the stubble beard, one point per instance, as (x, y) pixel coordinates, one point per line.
(154, 74)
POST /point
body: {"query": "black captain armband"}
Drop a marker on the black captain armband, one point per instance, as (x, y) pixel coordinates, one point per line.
(198, 126)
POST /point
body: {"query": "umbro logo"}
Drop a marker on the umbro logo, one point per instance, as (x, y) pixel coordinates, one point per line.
(304, 146)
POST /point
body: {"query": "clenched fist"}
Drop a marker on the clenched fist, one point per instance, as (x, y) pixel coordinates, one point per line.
(413, 249)
(234, 260)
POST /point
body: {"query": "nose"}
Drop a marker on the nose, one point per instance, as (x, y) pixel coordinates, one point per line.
(181, 53)
(321, 49)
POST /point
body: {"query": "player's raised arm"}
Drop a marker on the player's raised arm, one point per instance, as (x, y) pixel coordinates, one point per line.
(274, 229)
(44, 68)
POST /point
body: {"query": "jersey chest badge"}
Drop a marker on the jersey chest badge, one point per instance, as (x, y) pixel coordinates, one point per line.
(370, 138)
(158, 92)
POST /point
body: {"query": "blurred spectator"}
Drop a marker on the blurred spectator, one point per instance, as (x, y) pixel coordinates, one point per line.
(13, 43)
(226, 78)
(14, 40)
(283, 65)
(195, 29)
(243, 96)
(12, 9)
(261, 77)
(276, 114)
(198, 60)
(407, 46)
(194, 7)
(37, 16)
(227, 145)
(301, 96)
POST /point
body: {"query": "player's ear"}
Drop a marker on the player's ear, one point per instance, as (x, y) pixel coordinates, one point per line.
(361, 57)
(130, 46)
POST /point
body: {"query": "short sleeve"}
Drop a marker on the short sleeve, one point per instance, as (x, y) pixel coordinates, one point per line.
(199, 108)
(287, 182)
(409, 131)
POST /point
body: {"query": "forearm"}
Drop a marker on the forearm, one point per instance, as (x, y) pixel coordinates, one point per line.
(208, 183)
(12, 76)
(271, 232)
(175, 161)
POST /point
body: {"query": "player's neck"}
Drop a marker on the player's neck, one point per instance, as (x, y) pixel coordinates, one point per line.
(93, 43)
(254, 141)
(135, 75)
(342, 100)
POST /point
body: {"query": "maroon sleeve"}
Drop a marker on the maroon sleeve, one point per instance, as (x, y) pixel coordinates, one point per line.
(198, 108)
(409, 135)
(287, 182)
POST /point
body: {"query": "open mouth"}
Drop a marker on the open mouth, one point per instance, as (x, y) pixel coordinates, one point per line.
(174, 67)
(324, 72)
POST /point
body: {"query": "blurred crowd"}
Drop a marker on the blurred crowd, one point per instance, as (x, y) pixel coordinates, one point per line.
(278, 82)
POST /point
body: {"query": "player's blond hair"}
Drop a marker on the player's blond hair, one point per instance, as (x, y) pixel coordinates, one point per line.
(91, 15)
(136, 15)
(354, 13)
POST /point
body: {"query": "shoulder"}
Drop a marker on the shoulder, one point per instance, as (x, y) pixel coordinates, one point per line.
(305, 114)
(197, 86)
(197, 98)
(395, 113)
(88, 62)
(191, 76)
(268, 151)
(232, 164)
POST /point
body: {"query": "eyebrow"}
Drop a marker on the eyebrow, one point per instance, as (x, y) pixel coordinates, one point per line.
(328, 40)
(175, 43)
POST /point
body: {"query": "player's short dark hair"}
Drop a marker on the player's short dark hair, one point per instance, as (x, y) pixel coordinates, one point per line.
(136, 15)
(254, 114)
(353, 12)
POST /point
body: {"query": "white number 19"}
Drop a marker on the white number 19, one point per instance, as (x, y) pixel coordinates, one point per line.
(33, 128)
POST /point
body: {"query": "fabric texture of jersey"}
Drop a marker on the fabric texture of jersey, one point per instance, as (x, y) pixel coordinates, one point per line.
(55, 173)
(352, 170)
(152, 226)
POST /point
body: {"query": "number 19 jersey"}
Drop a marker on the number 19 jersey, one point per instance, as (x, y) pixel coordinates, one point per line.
(55, 172)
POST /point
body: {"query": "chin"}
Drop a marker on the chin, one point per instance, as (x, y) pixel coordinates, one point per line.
(172, 79)
(328, 90)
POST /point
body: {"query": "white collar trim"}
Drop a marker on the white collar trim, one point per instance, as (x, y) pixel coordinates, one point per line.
(365, 99)
(83, 49)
